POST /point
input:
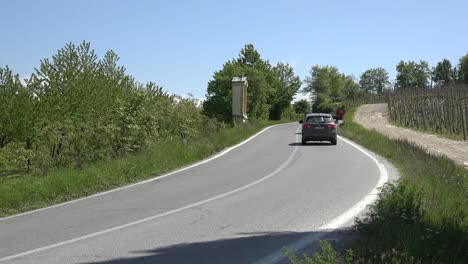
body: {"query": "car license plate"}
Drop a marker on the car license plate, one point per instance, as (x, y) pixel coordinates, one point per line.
(319, 127)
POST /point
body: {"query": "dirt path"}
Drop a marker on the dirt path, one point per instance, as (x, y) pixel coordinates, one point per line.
(375, 116)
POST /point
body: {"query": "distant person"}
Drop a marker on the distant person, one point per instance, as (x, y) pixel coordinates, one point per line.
(340, 112)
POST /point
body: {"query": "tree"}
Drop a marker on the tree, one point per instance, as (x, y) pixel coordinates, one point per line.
(463, 70)
(326, 81)
(286, 86)
(374, 80)
(351, 87)
(443, 73)
(302, 106)
(16, 108)
(412, 75)
(270, 92)
(219, 92)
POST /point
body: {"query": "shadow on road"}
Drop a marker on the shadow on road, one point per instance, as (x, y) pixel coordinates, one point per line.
(248, 248)
(318, 143)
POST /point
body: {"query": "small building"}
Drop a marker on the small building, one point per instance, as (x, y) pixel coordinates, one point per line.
(239, 98)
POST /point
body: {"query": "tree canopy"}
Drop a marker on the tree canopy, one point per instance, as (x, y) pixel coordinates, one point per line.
(412, 75)
(374, 80)
(271, 87)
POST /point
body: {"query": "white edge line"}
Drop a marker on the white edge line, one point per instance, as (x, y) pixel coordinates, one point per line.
(338, 221)
(145, 181)
(66, 242)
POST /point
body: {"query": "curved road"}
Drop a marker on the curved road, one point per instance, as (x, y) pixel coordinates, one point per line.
(237, 208)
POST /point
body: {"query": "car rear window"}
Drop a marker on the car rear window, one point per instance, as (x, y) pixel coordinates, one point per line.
(319, 119)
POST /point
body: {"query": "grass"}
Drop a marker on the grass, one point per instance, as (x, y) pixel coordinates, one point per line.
(425, 215)
(30, 192)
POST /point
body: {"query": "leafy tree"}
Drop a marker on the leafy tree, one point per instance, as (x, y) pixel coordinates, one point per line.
(219, 92)
(463, 70)
(270, 92)
(302, 106)
(412, 75)
(77, 108)
(374, 80)
(351, 87)
(287, 85)
(325, 80)
(443, 73)
(16, 108)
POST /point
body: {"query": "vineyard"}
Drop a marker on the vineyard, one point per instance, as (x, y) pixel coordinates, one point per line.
(441, 110)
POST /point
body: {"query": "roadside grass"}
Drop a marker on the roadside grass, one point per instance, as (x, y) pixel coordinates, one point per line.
(421, 218)
(29, 192)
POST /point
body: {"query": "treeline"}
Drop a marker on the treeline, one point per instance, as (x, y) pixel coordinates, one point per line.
(77, 108)
(329, 88)
(270, 92)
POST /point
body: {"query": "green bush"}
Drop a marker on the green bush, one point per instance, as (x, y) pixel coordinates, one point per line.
(14, 158)
(327, 255)
(324, 105)
(421, 219)
(79, 109)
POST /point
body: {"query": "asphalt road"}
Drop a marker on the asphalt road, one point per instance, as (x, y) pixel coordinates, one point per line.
(237, 208)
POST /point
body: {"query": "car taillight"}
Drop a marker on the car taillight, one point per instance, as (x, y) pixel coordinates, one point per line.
(307, 126)
(332, 126)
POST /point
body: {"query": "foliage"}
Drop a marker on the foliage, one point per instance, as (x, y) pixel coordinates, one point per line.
(443, 73)
(323, 104)
(77, 109)
(16, 108)
(328, 87)
(326, 81)
(423, 218)
(302, 106)
(351, 88)
(290, 114)
(374, 81)
(412, 75)
(463, 69)
(270, 92)
(286, 86)
(327, 255)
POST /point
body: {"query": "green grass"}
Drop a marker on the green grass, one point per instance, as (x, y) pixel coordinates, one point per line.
(31, 192)
(432, 187)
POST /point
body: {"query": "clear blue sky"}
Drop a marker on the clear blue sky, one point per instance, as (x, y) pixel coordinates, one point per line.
(179, 44)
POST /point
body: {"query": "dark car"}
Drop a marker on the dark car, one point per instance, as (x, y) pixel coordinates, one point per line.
(318, 127)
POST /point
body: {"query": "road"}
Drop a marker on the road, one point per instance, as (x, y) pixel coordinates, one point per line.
(237, 208)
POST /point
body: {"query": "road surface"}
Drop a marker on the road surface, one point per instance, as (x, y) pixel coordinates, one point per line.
(236, 208)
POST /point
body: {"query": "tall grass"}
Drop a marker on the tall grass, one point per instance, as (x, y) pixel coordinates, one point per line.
(423, 217)
(30, 192)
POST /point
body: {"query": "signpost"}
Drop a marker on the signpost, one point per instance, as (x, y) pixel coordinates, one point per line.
(184, 137)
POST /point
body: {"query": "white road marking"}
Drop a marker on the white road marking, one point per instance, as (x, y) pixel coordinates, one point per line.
(338, 221)
(66, 242)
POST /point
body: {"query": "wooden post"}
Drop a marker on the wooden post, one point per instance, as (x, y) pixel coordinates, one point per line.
(463, 122)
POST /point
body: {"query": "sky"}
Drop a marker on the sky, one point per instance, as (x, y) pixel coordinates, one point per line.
(180, 44)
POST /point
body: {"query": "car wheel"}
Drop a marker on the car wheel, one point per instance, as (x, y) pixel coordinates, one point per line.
(303, 142)
(333, 141)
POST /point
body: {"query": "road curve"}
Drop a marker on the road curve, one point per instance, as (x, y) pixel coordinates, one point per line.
(237, 208)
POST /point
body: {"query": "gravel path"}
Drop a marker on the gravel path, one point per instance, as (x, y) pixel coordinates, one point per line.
(375, 116)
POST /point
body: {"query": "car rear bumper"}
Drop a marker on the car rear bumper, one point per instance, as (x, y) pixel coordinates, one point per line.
(318, 138)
